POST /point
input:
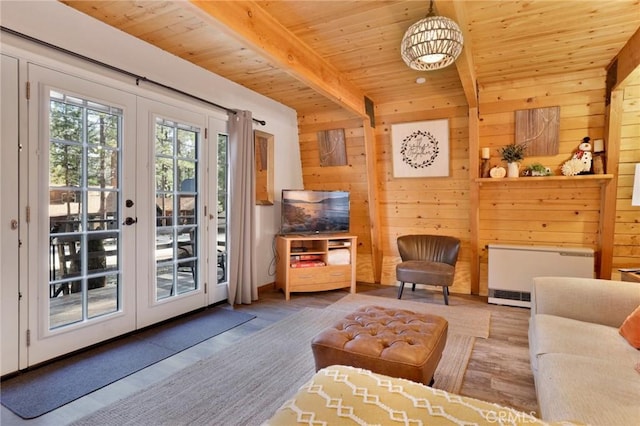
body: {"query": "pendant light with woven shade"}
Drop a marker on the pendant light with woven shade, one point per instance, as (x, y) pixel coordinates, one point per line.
(432, 43)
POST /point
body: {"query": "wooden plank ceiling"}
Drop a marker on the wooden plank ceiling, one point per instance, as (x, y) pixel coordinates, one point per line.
(317, 56)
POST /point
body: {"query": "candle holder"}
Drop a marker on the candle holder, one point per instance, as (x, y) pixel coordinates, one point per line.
(485, 168)
(598, 163)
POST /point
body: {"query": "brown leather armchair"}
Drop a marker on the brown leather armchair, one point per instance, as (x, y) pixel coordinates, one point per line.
(427, 259)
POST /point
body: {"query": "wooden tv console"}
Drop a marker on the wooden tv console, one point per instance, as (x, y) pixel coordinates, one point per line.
(315, 262)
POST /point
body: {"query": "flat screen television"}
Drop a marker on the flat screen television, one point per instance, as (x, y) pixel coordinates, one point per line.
(314, 212)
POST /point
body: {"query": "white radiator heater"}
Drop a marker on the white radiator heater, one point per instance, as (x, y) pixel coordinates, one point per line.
(512, 269)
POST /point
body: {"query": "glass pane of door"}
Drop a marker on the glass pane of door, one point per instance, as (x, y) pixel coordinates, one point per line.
(223, 203)
(85, 140)
(177, 206)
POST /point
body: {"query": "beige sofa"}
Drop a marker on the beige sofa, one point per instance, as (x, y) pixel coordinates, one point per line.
(584, 370)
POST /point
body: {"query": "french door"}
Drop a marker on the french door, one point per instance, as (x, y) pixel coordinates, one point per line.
(172, 252)
(119, 234)
(81, 164)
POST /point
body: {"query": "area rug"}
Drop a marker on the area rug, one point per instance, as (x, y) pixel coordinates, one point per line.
(46, 388)
(462, 320)
(244, 384)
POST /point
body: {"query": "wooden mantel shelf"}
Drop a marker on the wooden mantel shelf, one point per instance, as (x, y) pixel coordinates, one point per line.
(524, 179)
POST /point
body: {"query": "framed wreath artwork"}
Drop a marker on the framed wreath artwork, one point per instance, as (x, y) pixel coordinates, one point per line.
(420, 149)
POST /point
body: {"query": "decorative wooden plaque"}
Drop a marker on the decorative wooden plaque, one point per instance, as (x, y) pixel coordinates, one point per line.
(332, 148)
(263, 146)
(539, 130)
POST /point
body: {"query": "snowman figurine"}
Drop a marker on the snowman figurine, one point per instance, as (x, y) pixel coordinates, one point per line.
(584, 155)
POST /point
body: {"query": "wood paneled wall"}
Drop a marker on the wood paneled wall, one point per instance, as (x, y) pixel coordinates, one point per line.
(547, 213)
(408, 205)
(557, 212)
(352, 177)
(435, 205)
(580, 96)
(626, 249)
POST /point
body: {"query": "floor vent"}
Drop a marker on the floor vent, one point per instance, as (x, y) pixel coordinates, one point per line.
(522, 296)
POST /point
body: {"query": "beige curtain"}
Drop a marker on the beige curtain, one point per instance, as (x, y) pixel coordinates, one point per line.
(243, 287)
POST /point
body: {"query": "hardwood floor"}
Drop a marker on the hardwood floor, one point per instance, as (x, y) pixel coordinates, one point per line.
(498, 371)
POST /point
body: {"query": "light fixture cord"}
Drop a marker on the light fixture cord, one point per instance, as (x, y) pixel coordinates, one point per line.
(431, 13)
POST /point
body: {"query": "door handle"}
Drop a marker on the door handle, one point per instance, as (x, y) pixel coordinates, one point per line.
(130, 221)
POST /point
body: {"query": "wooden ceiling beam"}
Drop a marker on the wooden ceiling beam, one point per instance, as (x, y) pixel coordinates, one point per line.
(466, 69)
(258, 30)
(628, 60)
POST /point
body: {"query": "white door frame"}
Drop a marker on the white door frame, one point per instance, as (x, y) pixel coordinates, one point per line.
(10, 218)
(218, 291)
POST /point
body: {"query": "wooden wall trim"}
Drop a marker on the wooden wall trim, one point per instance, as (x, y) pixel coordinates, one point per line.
(613, 129)
(474, 199)
(373, 199)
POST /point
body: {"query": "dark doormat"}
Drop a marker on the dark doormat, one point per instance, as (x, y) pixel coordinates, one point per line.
(43, 389)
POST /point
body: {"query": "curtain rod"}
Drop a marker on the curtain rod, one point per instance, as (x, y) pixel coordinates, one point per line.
(138, 78)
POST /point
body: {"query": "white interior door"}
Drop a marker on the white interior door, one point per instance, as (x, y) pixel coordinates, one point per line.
(9, 217)
(81, 157)
(171, 245)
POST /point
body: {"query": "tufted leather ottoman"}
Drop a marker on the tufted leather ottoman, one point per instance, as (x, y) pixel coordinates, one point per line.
(393, 342)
